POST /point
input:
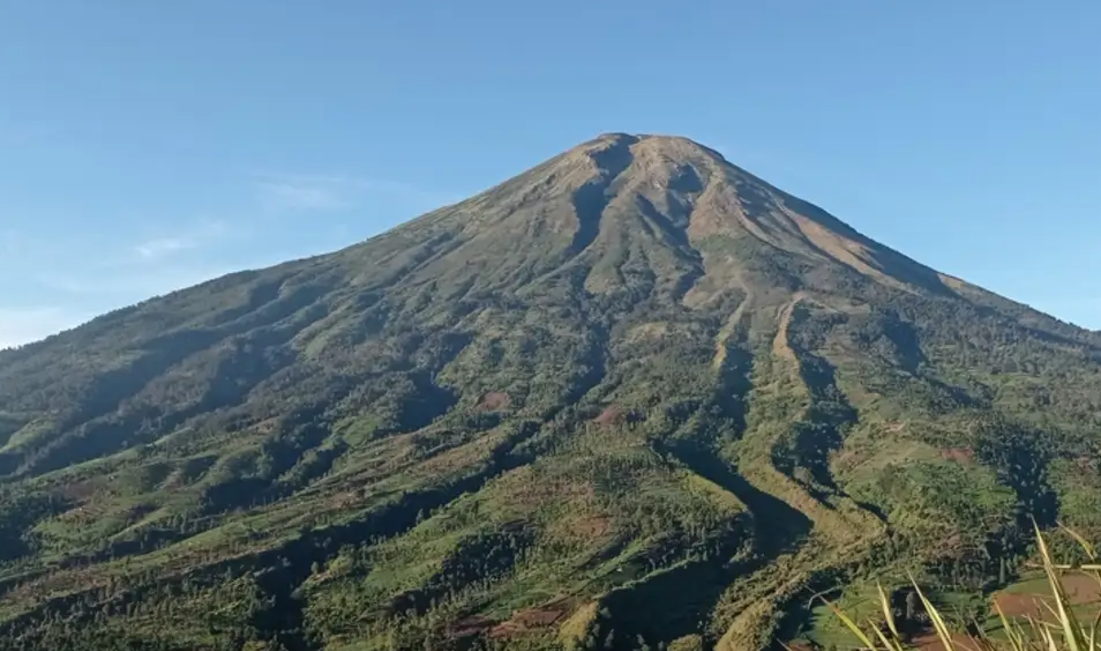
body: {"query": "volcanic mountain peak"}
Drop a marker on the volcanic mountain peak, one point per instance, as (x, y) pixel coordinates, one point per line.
(627, 190)
(632, 396)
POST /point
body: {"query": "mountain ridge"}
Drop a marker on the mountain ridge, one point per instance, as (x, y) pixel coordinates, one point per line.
(635, 374)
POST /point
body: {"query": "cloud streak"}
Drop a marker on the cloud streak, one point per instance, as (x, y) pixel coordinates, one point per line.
(51, 281)
(55, 283)
(334, 193)
(158, 248)
(155, 249)
(301, 198)
(306, 194)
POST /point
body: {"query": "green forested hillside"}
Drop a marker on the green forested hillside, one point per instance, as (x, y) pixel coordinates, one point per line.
(632, 398)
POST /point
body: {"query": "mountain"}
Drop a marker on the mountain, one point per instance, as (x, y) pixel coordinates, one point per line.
(634, 397)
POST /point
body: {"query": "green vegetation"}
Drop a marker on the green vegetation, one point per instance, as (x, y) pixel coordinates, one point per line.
(1059, 620)
(634, 398)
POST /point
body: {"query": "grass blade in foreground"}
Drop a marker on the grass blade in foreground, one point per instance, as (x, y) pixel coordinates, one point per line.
(1065, 632)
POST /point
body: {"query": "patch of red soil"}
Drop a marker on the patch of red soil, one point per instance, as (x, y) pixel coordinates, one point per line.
(536, 618)
(266, 426)
(1087, 464)
(1021, 605)
(494, 401)
(473, 625)
(544, 616)
(611, 415)
(1080, 589)
(593, 527)
(961, 455)
(345, 499)
(930, 642)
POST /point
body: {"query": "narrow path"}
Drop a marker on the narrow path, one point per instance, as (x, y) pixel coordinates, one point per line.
(781, 343)
(722, 340)
(841, 532)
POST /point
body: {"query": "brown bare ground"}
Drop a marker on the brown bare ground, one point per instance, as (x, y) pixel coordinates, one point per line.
(266, 426)
(1081, 589)
(1087, 464)
(611, 415)
(781, 345)
(494, 401)
(732, 323)
(536, 618)
(930, 642)
(472, 625)
(591, 527)
(344, 499)
(840, 248)
(960, 455)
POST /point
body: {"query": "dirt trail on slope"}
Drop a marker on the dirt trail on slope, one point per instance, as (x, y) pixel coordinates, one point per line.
(842, 532)
(722, 341)
(781, 344)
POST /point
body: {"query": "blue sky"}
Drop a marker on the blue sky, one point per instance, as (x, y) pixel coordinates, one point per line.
(150, 145)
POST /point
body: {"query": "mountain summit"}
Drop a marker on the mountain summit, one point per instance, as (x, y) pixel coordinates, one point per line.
(632, 397)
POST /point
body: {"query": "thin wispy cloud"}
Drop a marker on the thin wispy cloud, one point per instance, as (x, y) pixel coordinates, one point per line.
(67, 280)
(336, 193)
(205, 232)
(70, 277)
(306, 194)
(155, 249)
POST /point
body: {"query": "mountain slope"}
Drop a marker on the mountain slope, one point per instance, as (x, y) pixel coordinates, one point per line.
(633, 395)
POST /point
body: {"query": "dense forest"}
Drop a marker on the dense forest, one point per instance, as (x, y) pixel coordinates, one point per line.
(634, 398)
